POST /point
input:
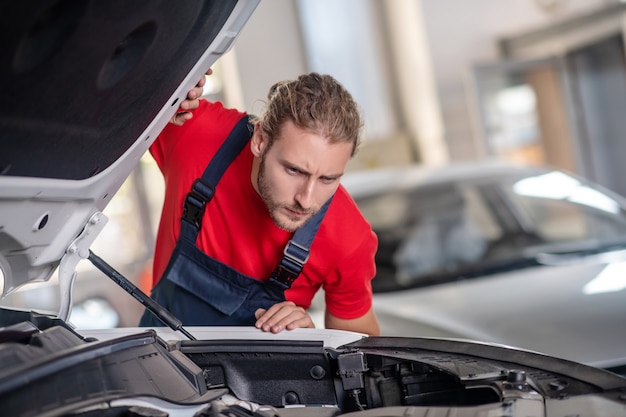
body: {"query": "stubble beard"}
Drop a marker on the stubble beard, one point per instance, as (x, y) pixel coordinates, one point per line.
(275, 208)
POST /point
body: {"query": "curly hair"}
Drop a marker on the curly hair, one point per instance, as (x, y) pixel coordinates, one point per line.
(315, 102)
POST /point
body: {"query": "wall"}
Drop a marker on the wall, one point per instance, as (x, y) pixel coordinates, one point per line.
(436, 44)
(468, 36)
(268, 49)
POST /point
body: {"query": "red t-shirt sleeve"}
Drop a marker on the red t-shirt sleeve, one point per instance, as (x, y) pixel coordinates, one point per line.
(348, 291)
(341, 262)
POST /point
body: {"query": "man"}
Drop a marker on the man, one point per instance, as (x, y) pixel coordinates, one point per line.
(247, 237)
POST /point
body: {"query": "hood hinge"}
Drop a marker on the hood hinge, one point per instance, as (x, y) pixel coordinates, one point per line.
(77, 250)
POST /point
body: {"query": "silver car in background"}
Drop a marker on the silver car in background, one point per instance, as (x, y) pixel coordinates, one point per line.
(522, 256)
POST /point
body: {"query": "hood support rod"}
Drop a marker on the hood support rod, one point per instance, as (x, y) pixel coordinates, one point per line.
(155, 308)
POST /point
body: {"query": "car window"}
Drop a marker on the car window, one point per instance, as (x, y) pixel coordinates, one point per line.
(470, 228)
(440, 236)
(386, 211)
(563, 208)
(423, 232)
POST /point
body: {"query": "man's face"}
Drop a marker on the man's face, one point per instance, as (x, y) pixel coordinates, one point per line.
(298, 174)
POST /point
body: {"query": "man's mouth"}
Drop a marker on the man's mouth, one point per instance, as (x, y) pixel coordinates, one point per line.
(296, 214)
(290, 219)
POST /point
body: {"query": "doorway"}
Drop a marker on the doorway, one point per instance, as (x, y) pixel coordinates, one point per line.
(568, 111)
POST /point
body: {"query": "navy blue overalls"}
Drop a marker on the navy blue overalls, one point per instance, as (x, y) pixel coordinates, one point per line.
(200, 290)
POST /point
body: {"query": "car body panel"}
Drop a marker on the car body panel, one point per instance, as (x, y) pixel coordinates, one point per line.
(551, 287)
(511, 310)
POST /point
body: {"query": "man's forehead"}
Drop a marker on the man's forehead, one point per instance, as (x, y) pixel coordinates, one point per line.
(288, 126)
(311, 153)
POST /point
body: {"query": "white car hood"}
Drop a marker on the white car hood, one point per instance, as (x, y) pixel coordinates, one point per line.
(86, 88)
(526, 318)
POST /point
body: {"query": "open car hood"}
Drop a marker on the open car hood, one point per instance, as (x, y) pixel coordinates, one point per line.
(86, 88)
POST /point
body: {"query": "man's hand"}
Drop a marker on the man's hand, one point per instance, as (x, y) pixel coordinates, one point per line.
(281, 316)
(191, 102)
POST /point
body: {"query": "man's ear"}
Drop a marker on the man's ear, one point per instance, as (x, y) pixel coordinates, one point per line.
(257, 142)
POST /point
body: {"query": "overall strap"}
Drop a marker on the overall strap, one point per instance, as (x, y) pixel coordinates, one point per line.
(203, 188)
(295, 254)
(297, 251)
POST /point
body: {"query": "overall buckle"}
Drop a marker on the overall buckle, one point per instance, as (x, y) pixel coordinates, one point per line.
(290, 266)
(195, 202)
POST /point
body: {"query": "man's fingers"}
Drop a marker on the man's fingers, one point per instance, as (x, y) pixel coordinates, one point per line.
(305, 322)
(259, 313)
(281, 316)
(196, 92)
(180, 118)
(201, 82)
(190, 103)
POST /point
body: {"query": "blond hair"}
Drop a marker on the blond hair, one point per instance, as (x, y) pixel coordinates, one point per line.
(315, 102)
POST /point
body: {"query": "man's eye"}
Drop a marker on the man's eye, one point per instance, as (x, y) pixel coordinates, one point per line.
(327, 180)
(293, 170)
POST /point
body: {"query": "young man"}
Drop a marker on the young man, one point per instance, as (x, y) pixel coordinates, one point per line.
(255, 220)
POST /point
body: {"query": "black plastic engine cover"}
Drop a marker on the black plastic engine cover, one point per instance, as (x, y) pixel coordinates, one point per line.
(276, 373)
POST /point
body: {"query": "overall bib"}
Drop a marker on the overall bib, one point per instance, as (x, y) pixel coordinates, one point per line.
(202, 291)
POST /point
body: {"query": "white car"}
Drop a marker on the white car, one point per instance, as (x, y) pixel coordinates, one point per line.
(523, 256)
(87, 86)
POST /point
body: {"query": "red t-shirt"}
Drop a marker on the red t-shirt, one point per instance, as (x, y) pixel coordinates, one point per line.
(238, 230)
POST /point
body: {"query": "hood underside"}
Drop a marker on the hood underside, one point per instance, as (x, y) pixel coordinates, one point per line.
(86, 88)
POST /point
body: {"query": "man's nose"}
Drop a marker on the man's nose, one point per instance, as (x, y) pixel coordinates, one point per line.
(304, 196)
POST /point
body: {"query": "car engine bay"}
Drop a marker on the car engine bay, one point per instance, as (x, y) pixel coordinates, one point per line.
(48, 369)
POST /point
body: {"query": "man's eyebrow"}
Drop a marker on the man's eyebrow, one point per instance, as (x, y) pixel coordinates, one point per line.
(332, 176)
(305, 172)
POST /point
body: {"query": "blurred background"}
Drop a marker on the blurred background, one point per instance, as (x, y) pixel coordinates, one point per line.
(538, 82)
